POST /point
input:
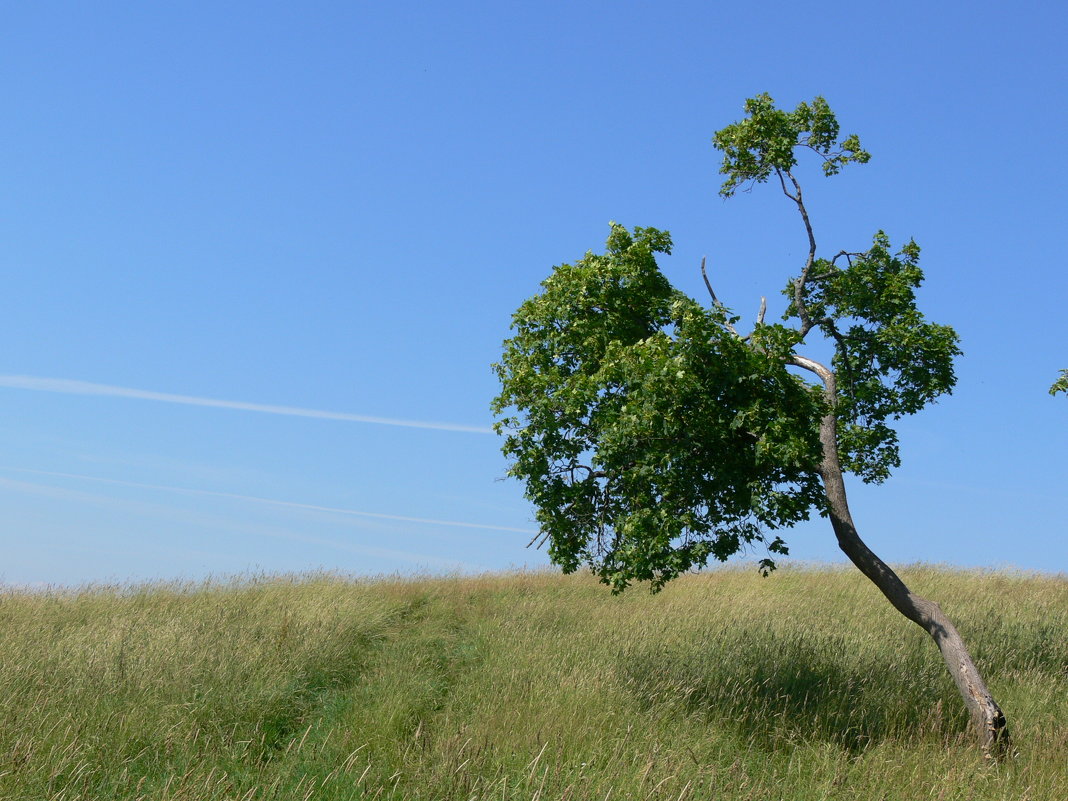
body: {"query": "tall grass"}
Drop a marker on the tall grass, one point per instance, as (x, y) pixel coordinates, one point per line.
(805, 685)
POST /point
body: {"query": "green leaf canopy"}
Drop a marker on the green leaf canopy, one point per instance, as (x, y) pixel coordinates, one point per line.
(889, 360)
(1061, 384)
(651, 437)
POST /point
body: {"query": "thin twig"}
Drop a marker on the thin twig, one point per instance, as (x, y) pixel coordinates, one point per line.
(543, 535)
(715, 300)
(799, 282)
(845, 253)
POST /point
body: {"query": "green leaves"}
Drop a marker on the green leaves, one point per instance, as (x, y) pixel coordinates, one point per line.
(765, 142)
(1061, 384)
(650, 437)
(888, 359)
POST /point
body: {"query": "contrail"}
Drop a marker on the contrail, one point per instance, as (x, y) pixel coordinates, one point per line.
(275, 533)
(270, 501)
(69, 387)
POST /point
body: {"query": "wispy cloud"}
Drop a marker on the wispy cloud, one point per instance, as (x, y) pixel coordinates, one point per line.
(209, 522)
(271, 501)
(66, 386)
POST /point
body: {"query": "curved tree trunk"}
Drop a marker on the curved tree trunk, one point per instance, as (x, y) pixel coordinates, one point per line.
(987, 718)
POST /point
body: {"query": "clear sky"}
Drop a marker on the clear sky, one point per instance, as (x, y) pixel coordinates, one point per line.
(258, 258)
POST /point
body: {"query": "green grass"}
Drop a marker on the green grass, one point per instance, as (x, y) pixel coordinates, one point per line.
(805, 685)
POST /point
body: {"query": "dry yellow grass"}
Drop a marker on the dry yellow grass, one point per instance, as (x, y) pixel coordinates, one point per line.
(805, 685)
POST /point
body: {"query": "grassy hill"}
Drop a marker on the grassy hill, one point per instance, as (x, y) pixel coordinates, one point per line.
(805, 685)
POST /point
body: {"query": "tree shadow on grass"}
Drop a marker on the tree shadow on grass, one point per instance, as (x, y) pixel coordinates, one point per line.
(775, 688)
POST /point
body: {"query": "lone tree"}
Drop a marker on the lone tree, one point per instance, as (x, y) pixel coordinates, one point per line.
(652, 435)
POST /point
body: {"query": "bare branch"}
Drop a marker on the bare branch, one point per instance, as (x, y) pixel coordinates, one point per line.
(782, 182)
(808, 226)
(825, 373)
(712, 292)
(759, 320)
(849, 256)
(799, 282)
(541, 535)
(708, 284)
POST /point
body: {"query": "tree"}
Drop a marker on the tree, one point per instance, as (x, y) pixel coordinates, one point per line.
(1061, 384)
(653, 436)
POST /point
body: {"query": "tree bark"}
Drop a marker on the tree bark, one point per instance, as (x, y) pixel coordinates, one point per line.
(987, 718)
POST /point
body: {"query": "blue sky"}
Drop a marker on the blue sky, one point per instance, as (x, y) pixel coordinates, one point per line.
(241, 242)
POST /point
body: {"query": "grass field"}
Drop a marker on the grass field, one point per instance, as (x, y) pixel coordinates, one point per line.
(805, 685)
